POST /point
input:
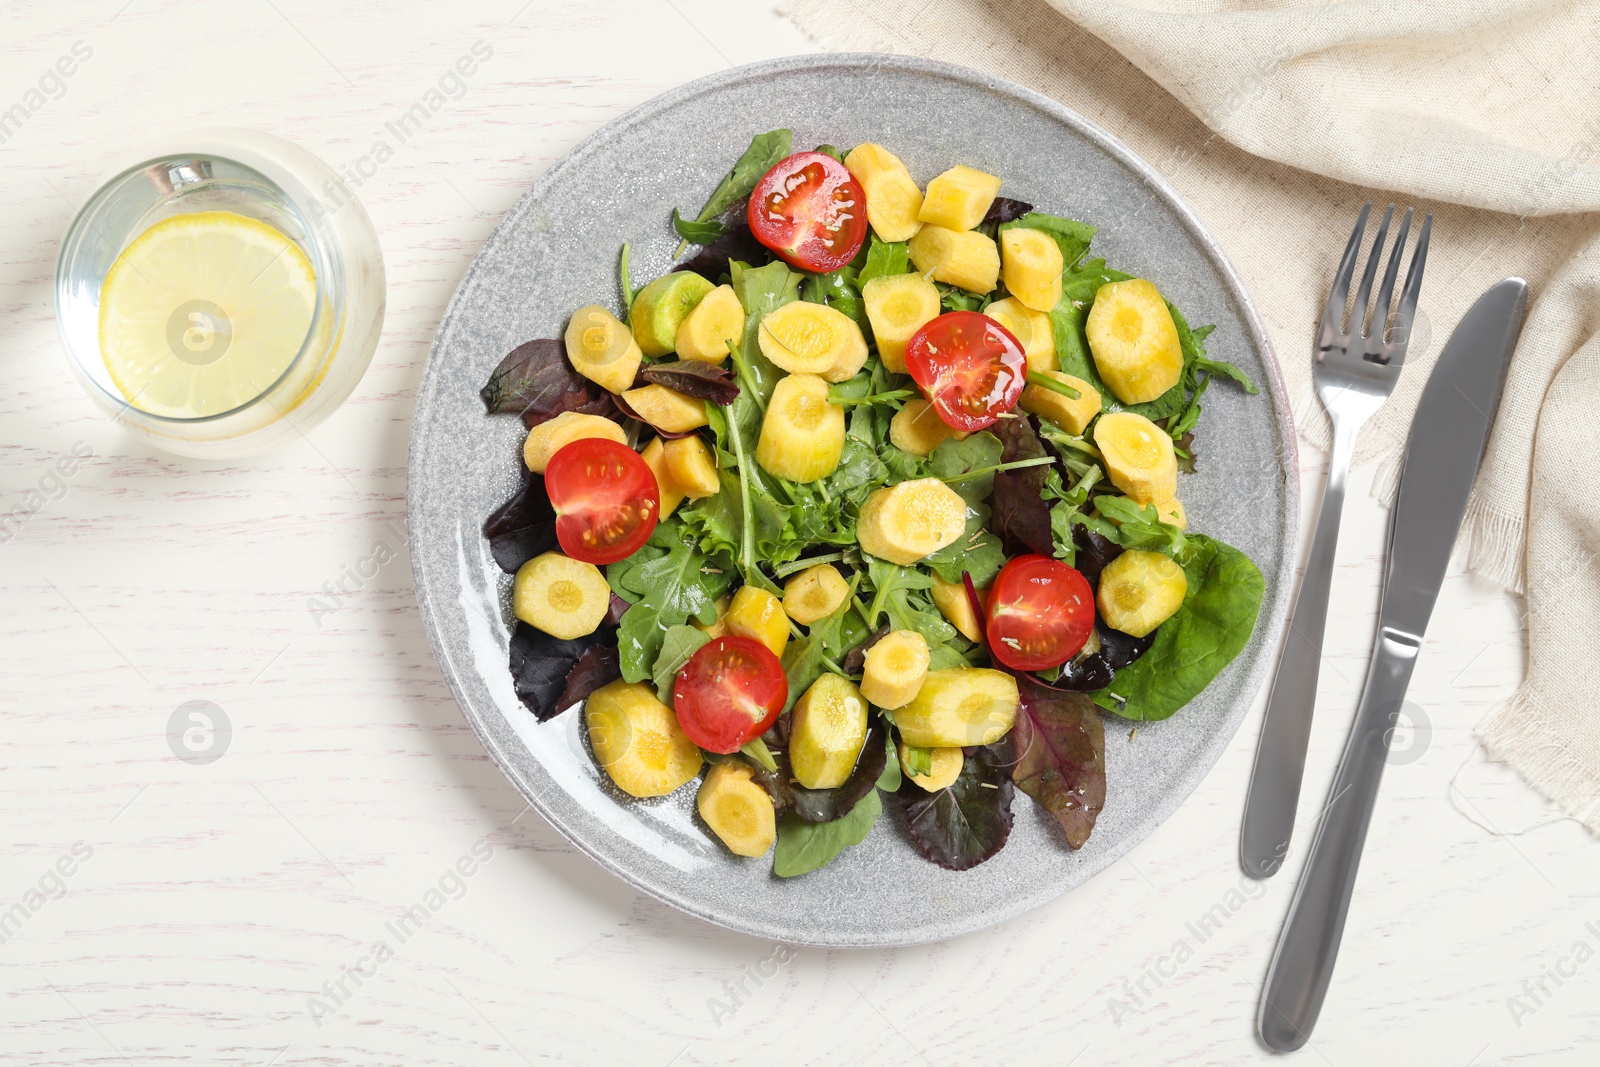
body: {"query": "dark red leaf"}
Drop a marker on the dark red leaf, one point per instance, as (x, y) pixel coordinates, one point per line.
(691, 377)
(523, 526)
(1021, 517)
(615, 612)
(1094, 552)
(962, 825)
(856, 660)
(542, 667)
(597, 666)
(738, 243)
(1005, 209)
(822, 805)
(1061, 756)
(536, 382)
(627, 411)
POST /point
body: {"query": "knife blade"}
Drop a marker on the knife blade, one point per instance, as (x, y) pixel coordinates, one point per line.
(1443, 453)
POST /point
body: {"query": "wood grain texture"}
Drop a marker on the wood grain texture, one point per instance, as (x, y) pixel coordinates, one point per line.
(207, 905)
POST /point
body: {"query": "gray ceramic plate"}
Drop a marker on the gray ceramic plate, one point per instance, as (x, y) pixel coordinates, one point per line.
(557, 250)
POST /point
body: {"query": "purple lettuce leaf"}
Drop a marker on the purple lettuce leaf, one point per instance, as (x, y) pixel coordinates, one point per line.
(522, 527)
(536, 382)
(1005, 209)
(703, 381)
(1061, 756)
(962, 825)
(1021, 516)
(597, 666)
(545, 669)
(738, 243)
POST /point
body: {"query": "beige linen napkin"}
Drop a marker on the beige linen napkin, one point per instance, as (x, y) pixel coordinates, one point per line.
(1275, 120)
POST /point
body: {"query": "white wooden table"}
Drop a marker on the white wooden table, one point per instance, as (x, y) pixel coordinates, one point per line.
(226, 913)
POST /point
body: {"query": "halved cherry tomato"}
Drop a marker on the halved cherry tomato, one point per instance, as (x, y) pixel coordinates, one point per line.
(810, 211)
(605, 498)
(1041, 612)
(970, 367)
(729, 693)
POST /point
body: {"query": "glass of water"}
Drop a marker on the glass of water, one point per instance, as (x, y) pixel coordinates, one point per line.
(222, 295)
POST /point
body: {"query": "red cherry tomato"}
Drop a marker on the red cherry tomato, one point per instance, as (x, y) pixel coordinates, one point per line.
(729, 693)
(810, 211)
(1041, 611)
(970, 368)
(605, 498)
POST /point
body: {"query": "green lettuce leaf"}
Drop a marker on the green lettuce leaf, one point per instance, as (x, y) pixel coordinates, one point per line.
(805, 846)
(1215, 622)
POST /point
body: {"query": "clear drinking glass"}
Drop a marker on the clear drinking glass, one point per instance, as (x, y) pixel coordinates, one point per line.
(272, 181)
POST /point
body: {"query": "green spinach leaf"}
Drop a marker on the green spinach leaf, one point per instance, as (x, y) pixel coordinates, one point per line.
(805, 846)
(1215, 622)
(884, 258)
(765, 150)
(1073, 237)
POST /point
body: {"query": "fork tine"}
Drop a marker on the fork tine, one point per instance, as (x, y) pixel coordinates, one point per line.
(1378, 338)
(1333, 313)
(1408, 296)
(1358, 310)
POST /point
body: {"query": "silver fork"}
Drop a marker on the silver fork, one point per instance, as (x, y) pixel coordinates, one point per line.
(1355, 367)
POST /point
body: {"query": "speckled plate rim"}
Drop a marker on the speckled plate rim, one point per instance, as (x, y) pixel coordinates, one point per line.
(1274, 614)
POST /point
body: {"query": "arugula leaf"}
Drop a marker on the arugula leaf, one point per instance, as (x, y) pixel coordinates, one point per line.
(962, 825)
(952, 298)
(761, 290)
(669, 585)
(900, 594)
(765, 150)
(891, 777)
(1061, 756)
(805, 846)
(977, 552)
(1134, 525)
(1073, 237)
(884, 258)
(1215, 622)
(954, 458)
(1218, 366)
(806, 658)
(678, 643)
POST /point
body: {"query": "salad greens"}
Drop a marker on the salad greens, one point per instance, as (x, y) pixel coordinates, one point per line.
(1028, 486)
(1218, 614)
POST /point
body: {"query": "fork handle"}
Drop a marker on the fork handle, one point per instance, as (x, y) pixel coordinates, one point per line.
(1302, 965)
(1286, 733)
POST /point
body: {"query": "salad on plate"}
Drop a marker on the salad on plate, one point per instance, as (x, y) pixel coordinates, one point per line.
(876, 495)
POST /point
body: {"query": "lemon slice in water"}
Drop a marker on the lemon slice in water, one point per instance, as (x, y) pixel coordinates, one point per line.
(204, 312)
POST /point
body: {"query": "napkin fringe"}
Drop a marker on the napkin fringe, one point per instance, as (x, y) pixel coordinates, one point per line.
(1496, 543)
(1521, 733)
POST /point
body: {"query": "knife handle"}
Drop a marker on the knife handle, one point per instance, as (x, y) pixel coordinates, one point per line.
(1302, 966)
(1280, 765)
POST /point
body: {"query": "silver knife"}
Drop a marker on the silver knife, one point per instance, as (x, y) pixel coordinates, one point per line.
(1441, 462)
